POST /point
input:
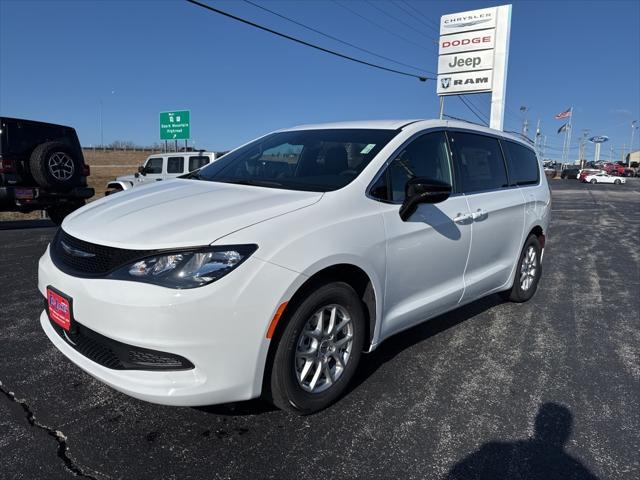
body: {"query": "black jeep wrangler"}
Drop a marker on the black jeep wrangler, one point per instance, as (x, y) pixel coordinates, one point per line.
(41, 168)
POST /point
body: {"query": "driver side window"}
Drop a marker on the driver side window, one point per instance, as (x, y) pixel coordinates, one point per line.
(425, 157)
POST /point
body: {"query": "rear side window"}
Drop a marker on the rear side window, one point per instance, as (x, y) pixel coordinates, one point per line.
(523, 164)
(480, 161)
(175, 164)
(154, 165)
(197, 162)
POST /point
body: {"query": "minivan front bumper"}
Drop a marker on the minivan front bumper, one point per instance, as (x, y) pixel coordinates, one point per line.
(219, 328)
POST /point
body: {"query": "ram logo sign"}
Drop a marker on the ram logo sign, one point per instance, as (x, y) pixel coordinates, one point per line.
(481, 81)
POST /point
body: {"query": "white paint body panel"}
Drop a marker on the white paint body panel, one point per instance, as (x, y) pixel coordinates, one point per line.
(418, 269)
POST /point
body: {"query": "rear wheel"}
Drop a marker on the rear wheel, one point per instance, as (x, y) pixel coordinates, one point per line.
(593, 180)
(528, 272)
(319, 349)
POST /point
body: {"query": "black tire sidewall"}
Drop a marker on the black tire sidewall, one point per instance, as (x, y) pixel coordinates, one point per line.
(57, 213)
(39, 166)
(285, 391)
(518, 294)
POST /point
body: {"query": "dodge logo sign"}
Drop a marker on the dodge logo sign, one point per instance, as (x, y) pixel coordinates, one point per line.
(445, 82)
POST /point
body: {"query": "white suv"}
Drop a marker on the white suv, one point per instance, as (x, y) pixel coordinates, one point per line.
(271, 270)
(163, 166)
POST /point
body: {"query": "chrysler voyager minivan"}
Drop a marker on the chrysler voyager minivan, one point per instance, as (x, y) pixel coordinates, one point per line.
(270, 271)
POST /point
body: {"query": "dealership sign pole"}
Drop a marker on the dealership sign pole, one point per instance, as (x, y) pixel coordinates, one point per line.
(598, 140)
(473, 56)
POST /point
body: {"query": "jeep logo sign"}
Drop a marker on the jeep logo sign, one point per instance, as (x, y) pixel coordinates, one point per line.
(454, 83)
(465, 62)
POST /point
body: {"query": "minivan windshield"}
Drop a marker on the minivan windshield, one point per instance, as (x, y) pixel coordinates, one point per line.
(312, 160)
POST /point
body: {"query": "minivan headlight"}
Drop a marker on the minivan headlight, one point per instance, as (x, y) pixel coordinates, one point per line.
(186, 269)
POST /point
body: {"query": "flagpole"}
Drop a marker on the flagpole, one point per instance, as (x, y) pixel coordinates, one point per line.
(569, 134)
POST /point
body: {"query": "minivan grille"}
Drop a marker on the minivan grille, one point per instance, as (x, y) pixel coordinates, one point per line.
(79, 258)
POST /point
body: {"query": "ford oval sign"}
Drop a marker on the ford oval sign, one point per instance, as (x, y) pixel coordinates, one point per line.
(599, 139)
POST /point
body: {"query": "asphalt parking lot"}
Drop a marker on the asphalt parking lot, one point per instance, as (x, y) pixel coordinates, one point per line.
(543, 390)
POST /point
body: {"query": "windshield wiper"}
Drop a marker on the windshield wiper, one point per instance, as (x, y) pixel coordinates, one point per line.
(254, 182)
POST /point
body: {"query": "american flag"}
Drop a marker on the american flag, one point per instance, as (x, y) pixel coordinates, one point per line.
(565, 114)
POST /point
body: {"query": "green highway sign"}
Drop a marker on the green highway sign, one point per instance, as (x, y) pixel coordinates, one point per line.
(174, 125)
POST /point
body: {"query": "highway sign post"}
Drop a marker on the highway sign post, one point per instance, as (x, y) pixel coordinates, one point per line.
(473, 56)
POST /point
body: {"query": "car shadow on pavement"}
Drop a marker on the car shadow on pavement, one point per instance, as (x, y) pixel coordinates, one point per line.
(23, 224)
(396, 344)
(541, 457)
(239, 409)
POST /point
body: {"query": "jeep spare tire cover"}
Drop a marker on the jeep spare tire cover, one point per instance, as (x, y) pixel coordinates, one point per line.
(55, 165)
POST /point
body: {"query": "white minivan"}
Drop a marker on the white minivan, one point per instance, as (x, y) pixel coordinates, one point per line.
(270, 271)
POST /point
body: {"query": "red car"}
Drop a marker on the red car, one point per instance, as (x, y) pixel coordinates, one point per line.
(617, 169)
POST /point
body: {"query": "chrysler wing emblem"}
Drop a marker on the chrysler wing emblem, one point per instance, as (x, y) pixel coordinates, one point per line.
(75, 252)
(467, 24)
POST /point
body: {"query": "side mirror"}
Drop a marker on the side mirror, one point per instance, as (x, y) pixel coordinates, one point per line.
(422, 190)
(142, 170)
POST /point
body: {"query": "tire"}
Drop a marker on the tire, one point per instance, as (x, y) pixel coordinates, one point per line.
(290, 388)
(617, 182)
(57, 213)
(594, 181)
(522, 291)
(55, 165)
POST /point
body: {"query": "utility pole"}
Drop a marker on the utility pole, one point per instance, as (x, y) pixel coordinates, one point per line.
(101, 129)
(634, 127)
(583, 143)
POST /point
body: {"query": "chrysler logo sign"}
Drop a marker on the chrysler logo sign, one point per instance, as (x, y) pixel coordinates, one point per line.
(450, 24)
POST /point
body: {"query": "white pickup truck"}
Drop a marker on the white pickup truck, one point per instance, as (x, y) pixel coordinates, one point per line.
(163, 166)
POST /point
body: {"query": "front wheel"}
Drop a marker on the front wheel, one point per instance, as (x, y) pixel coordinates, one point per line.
(617, 182)
(319, 350)
(528, 272)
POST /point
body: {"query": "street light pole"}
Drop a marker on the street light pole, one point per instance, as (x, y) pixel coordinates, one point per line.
(101, 129)
(634, 127)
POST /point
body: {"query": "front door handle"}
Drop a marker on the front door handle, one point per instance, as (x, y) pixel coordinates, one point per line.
(481, 212)
(462, 217)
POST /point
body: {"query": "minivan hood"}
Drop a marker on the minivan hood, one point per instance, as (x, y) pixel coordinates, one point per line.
(180, 213)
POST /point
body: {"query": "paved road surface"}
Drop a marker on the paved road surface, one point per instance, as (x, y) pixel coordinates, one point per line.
(548, 389)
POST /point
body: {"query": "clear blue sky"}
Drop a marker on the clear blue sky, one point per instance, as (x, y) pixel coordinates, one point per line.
(59, 59)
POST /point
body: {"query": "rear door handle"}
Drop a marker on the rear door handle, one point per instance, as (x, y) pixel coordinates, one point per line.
(462, 217)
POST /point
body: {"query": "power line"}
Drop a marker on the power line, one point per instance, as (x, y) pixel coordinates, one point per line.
(381, 27)
(399, 20)
(336, 38)
(462, 99)
(311, 45)
(478, 109)
(413, 17)
(422, 15)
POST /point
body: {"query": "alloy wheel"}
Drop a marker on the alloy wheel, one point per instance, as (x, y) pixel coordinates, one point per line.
(61, 166)
(324, 348)
(528, 269)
